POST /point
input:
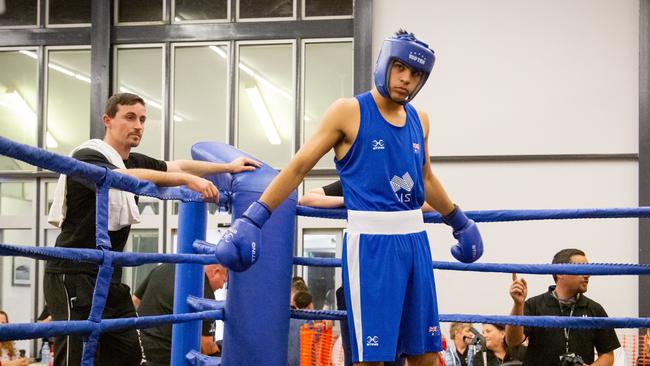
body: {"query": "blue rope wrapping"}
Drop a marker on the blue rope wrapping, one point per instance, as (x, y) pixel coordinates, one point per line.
(502, 215)
(201, 304)
(594, 269)
(197, 359)
(17, 331)
(528, 321)
(97, 256)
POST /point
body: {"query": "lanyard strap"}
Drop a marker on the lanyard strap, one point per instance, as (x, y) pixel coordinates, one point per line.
(567, 331)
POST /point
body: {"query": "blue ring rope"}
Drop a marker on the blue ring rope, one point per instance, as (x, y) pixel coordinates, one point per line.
(595, 269)
(527, 321)
(502, 215)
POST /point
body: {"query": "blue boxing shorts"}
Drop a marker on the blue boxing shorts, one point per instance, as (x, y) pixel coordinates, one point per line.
(389, 287)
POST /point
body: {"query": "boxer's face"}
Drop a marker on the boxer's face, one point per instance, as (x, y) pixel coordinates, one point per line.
(402, 81)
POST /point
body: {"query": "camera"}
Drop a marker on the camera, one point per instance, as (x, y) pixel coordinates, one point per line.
(571, 359)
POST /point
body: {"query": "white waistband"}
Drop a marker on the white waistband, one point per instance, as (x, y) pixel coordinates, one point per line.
(385, 222)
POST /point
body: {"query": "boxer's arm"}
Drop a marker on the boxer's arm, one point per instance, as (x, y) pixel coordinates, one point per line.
(435, 194)
(329, 133)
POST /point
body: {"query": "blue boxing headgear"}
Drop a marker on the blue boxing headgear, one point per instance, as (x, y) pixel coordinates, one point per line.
(411, 52)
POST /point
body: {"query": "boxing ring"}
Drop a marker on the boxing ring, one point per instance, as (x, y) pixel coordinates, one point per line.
(256, 313)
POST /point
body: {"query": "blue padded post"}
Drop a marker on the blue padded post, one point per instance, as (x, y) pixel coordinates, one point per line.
(257, 305)
(192, 223)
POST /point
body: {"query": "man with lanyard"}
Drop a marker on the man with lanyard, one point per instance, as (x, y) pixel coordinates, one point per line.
(547, 345)
(381, 153)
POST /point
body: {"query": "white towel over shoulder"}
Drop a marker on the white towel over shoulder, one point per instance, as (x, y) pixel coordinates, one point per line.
(122, 209)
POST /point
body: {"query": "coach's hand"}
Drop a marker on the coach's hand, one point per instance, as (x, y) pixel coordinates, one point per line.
(239, 249)
(470, 245)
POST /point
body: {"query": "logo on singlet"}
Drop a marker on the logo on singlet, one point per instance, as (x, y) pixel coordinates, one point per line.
(433, 330)
(372, 341)
(378, 144)
(404, 183)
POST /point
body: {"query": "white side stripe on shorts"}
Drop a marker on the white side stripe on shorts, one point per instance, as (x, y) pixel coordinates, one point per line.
(352, 243)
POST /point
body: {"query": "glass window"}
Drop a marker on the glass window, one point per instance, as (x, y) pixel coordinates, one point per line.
(17, 281)
(148, 206)
(139, 71)
(327, 8)
(322, 281)
(194, 10)
(50, 188)
(140, 241)
(313, 183)
(68, 100)
(16, 198)
(328, 76)
(18, 95)
(265, 8)
(50, 237)
(18, 13)
(69, 12)
(135, 11)
(265, 115)
(200, 99)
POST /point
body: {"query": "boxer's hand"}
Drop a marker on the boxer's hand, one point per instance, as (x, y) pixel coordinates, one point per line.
(239, 249)
(470, 244)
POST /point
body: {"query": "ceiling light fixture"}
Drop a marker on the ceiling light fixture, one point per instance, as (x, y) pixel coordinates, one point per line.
(264, 116)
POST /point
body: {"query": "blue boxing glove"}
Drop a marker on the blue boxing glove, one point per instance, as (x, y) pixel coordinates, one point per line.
(239, 249)
(470, 245)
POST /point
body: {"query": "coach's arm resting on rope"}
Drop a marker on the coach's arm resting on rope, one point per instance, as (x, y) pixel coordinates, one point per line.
(191, 173)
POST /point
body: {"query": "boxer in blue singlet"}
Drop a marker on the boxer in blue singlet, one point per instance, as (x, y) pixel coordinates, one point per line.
(381, 152)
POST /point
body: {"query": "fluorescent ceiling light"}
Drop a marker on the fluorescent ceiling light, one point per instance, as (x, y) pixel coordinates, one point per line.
(86, 79)
(263, 115)
(259, 78)
(24, 111)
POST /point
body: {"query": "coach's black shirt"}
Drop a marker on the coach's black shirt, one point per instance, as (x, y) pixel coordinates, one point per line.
(78, 229)
(545, 345)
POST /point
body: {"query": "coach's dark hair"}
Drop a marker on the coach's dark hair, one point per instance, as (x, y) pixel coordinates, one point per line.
(564, 256)
(121, 99)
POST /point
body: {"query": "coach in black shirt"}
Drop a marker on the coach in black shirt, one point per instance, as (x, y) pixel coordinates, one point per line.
(69, 286)
(566, 298)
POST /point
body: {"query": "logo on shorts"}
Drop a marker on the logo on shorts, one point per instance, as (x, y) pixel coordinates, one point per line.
(434, 330)
(378, 144)
(405, 183)
(372, 341)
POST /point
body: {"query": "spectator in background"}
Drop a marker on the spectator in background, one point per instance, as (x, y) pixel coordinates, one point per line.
(565, 298)
(301, 300)
(497, 352)
(9, 356)
(297, 285)
(459, 350)
(155, 296)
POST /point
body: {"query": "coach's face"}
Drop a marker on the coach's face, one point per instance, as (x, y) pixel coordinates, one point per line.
(127, 126)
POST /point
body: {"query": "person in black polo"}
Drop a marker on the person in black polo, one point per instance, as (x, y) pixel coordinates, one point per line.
(566, 298)
(155, 296)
